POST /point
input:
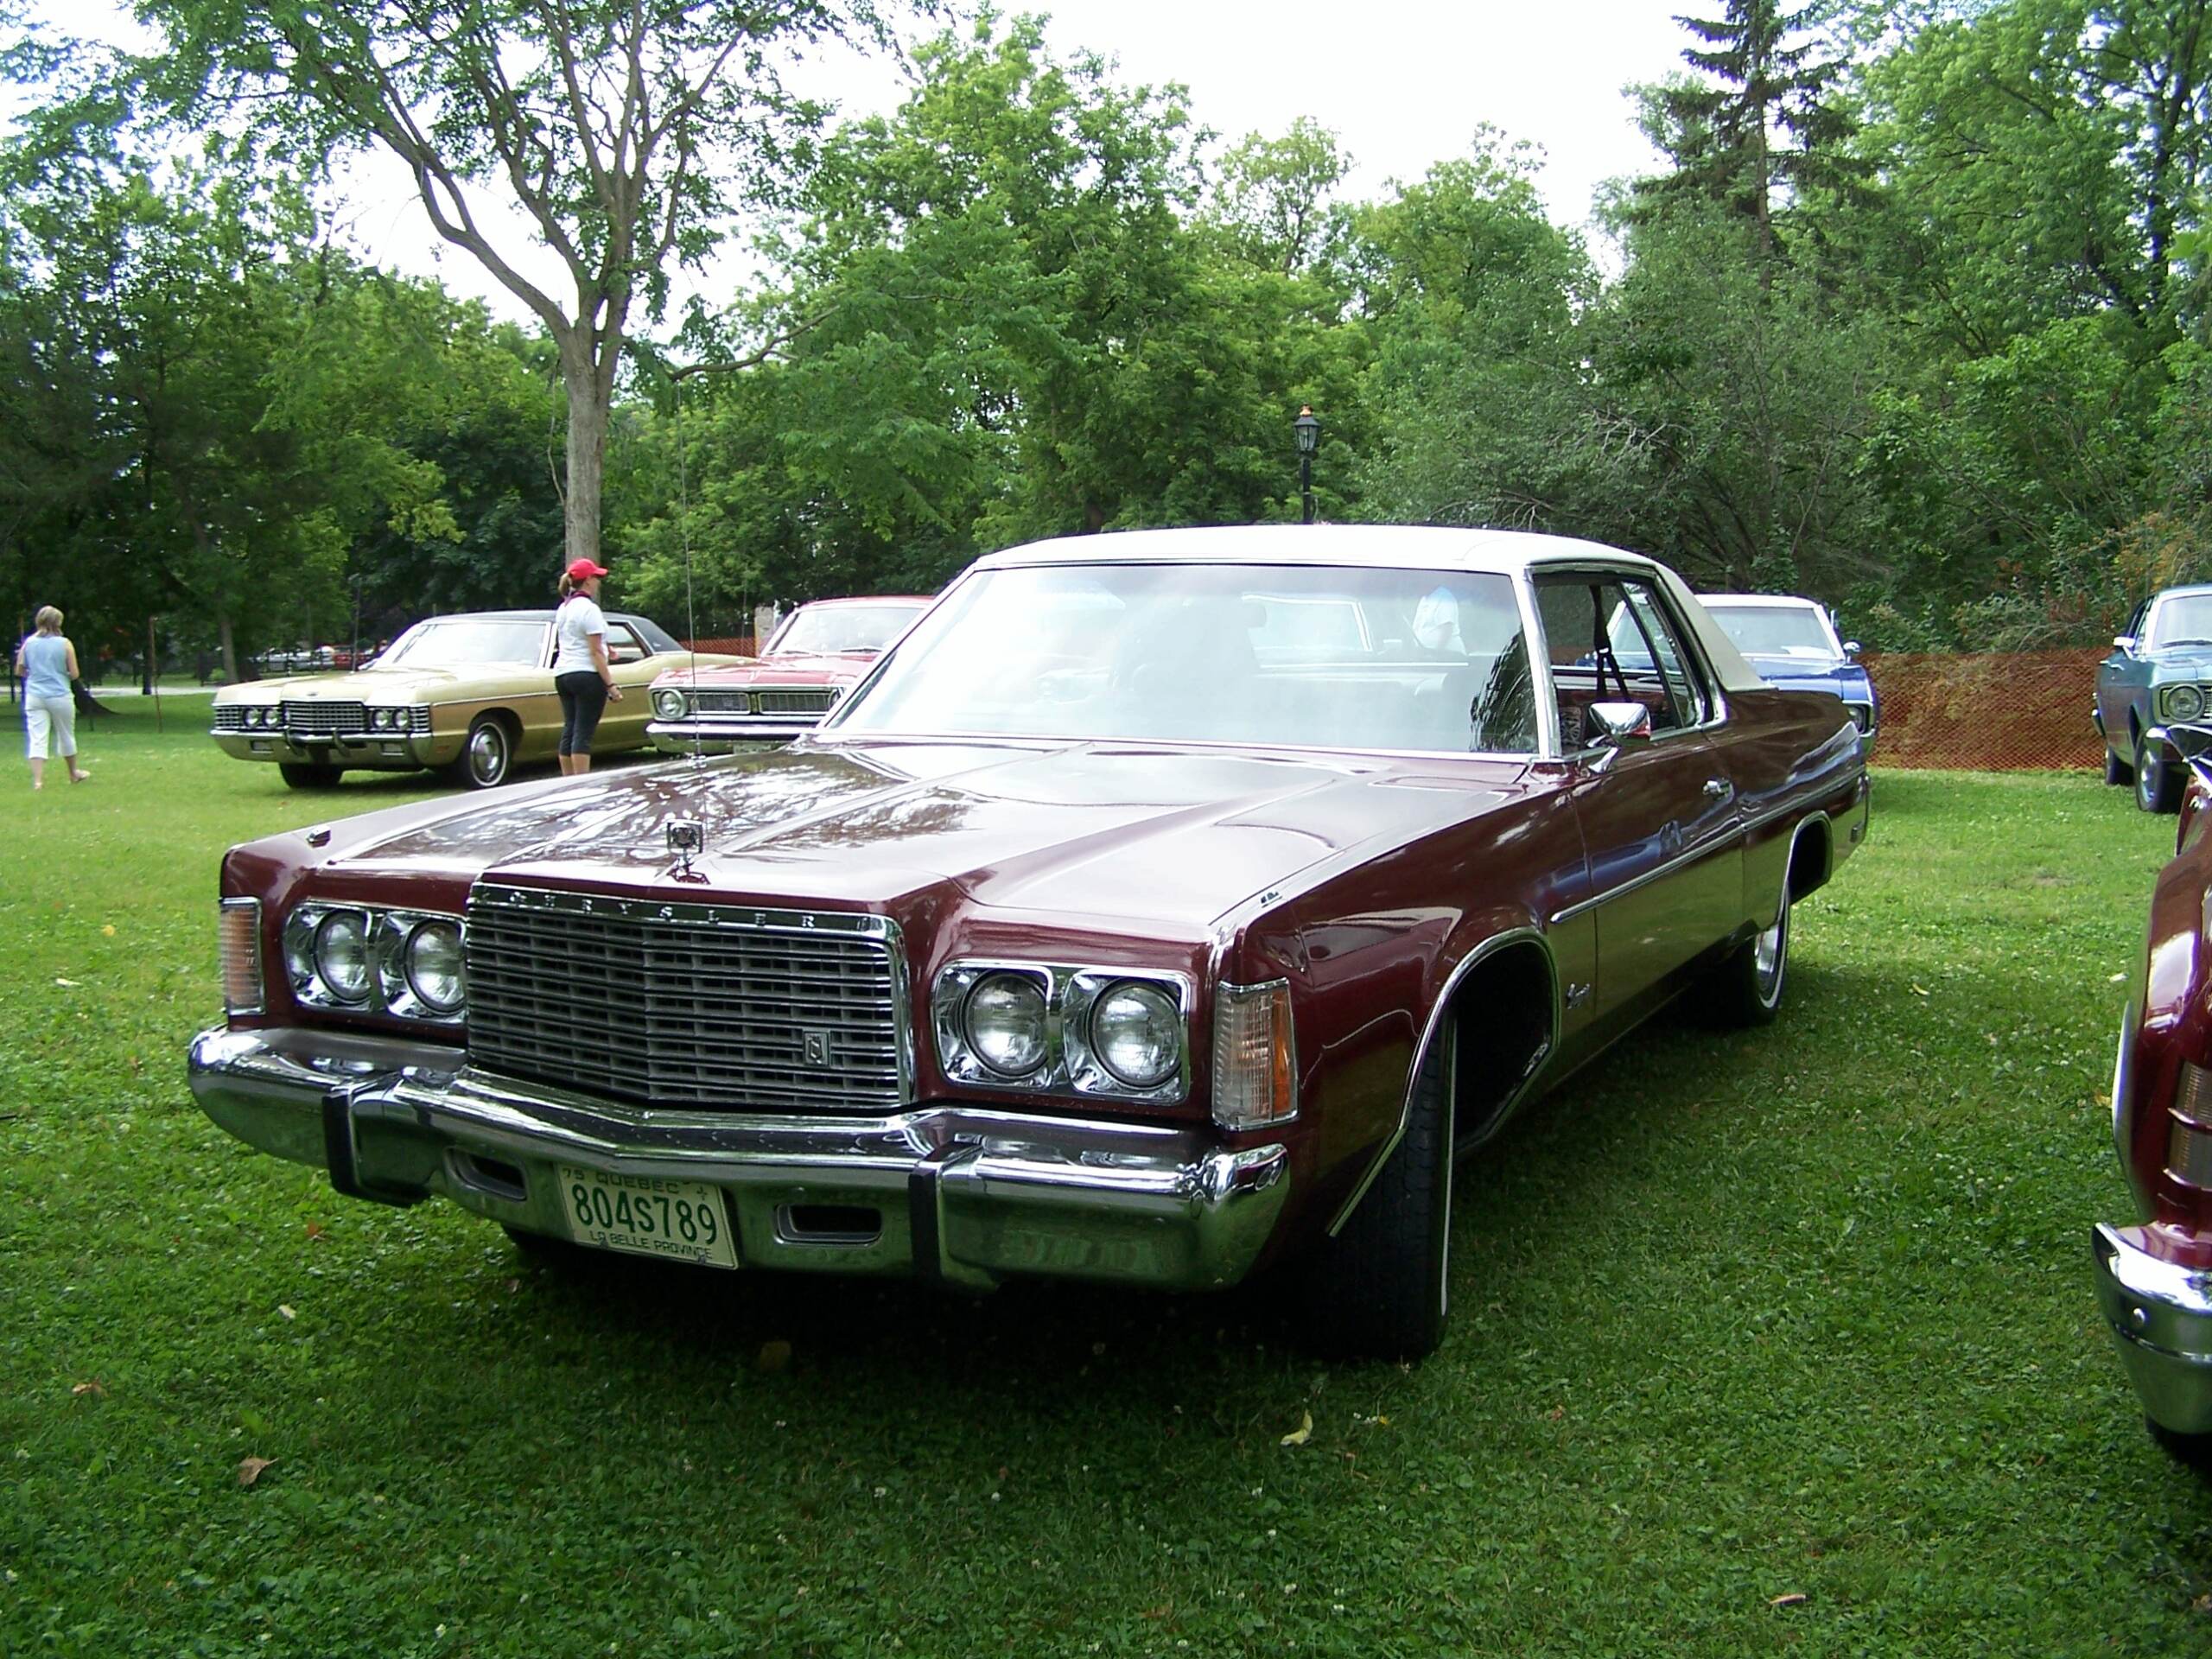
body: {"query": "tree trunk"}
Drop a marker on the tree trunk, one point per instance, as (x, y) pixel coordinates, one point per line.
(586, 452)
(229, 645)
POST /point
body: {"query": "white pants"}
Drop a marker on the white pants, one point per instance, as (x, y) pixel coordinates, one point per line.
(55, 715)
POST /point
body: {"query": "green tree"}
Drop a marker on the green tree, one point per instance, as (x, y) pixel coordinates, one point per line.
(624, 131)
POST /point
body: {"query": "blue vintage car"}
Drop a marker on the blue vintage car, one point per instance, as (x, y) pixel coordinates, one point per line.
(1793, 643)
(2160, 671)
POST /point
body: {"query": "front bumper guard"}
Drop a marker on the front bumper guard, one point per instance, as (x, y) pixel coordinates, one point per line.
(2161, 1316)
(959, 1193)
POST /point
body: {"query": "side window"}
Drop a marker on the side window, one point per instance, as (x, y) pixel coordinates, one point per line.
(2135, 628)
(1665, 648)
(622, 645)
(1609, 640)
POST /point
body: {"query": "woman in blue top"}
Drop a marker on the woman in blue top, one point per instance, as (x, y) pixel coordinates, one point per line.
(47, 664)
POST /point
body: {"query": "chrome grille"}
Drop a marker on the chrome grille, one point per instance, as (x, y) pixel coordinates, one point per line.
(722, 703)
(797, 702)
(709, 1007)
(230, 717)
(325, 718)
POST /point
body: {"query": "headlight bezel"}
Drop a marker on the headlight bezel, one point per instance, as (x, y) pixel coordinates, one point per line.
(388, 935)
(2185, 702)
(670, 703)
(1030, 986)
(1070, 1062)
(1157, 1003)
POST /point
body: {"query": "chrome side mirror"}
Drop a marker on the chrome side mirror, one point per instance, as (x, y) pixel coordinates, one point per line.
(1616, 724)
(1851, 647)
(2123, 642)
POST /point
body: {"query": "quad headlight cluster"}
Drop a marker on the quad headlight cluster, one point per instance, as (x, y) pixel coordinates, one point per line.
(2183, 702)
(388, 719)
(366, 959)
(1039, 1026)
(260, 716)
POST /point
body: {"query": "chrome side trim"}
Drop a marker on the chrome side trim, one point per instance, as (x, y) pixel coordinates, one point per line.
(1488, 948)
(1797, 803)
(1690, 854)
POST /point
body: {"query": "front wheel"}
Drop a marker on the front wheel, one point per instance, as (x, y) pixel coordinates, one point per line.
(488, 754)
(2190, 1451)
(1747, 986)
(1380, 1289)
(2117, 770)
(2158, 783)
(310, 774)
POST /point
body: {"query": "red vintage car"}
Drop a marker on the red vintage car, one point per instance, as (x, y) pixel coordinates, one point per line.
(1167, 906)
(2154, 1279)
(819, 654)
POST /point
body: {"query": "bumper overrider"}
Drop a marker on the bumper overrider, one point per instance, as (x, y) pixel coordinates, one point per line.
(955, 1192)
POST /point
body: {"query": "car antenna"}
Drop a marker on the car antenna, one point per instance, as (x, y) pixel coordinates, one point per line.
(690, 605)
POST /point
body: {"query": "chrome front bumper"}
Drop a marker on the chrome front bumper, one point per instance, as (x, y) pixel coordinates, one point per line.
(396, 751)
(701, 737)
(958, 1192)
(2161, 1316)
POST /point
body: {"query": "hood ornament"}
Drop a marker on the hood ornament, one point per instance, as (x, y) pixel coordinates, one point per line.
(687, 839)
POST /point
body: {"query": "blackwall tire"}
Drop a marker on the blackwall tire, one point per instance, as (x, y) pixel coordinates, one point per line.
(1381, 1288)
(309, 775)
(2190, 1451)
(1747, 988)
(488, 754)
(2158, 783)
(2117, 770)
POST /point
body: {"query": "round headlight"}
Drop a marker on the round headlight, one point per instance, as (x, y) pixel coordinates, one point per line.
(668, 703)
(1005, 1018)
(384, 719)
(2185, 702)
(434, 965)
(257, 716)
(1137, 1034)
(341, 955)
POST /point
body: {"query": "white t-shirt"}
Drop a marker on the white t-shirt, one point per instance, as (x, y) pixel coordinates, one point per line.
(574, 624)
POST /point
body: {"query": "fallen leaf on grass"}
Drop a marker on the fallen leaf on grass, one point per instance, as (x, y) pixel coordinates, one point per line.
(108, 932)
(774, 1356)
(70, 983)
(316, 1230)
(250, 1469)
(286, 1311)
(1555, 1413)
(2115, 979)
(1916, 991)
(1303, 1433)
(92, 1387)
(1790, 1600)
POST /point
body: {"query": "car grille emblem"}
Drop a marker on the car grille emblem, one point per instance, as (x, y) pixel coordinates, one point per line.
(687, 838)
(817, 1047)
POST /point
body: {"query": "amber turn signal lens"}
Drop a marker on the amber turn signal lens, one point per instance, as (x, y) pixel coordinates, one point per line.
(238, 950)
(1254, 1059)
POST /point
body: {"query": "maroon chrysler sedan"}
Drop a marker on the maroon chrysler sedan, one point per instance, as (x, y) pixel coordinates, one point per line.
(2154, 1279)
(1162, 907)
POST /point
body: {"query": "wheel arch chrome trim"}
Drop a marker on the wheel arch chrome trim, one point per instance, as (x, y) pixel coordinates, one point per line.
(1493, 946)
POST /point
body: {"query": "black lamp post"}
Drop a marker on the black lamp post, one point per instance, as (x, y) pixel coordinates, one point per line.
(1309, 439)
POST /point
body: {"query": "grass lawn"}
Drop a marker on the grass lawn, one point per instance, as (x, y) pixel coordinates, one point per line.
(1781, 1343)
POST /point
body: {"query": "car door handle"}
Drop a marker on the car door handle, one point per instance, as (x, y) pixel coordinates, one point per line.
(1719, 788)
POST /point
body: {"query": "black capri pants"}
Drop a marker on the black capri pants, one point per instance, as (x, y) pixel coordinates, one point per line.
(584, 700)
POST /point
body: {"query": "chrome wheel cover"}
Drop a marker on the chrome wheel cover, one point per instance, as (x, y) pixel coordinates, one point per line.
(487, 755)
(1769, 957)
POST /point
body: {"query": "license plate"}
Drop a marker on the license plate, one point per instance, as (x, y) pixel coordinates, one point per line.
(682, 1221)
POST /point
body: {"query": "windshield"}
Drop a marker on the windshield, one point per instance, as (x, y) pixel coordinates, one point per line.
(1775, 630)
(1305, 657)
(816, 628)
(469, 642)
(2185, 619)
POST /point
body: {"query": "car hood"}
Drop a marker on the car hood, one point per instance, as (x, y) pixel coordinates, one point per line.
(368, 684)
(1811, 674)
(2181, 663)
(800, 668)
(1121, 830)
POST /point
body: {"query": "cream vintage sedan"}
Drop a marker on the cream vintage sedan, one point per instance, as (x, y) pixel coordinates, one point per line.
(469, 696)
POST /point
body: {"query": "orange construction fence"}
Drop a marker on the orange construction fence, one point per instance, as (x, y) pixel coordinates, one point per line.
(2021, 711)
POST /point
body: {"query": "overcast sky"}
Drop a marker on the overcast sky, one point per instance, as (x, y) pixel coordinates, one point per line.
(1404, 84)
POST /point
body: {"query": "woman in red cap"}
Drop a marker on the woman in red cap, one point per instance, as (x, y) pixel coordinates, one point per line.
(581, 673)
